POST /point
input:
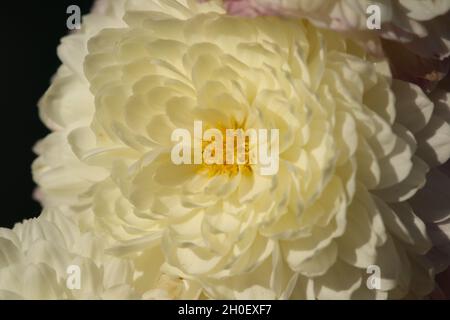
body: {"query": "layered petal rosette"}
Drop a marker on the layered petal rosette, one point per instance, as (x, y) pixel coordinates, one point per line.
(349, 158)
(356, 151)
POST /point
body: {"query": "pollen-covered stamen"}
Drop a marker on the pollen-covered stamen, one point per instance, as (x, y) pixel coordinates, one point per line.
(232, 154)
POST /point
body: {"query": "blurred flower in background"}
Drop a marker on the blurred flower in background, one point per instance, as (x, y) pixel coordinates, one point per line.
(414, 34)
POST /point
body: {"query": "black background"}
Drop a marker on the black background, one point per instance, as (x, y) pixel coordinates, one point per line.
(30, 33)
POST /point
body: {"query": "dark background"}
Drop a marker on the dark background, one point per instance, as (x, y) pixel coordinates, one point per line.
(30, 33)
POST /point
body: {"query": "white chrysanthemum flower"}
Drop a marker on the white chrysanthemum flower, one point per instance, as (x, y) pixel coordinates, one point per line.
(50, 258)
(38, 254)
(354, 149)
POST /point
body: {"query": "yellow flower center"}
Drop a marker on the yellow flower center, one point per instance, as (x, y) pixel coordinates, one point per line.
(233, 168)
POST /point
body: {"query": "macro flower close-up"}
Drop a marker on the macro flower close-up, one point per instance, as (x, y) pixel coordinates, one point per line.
(242, 149)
